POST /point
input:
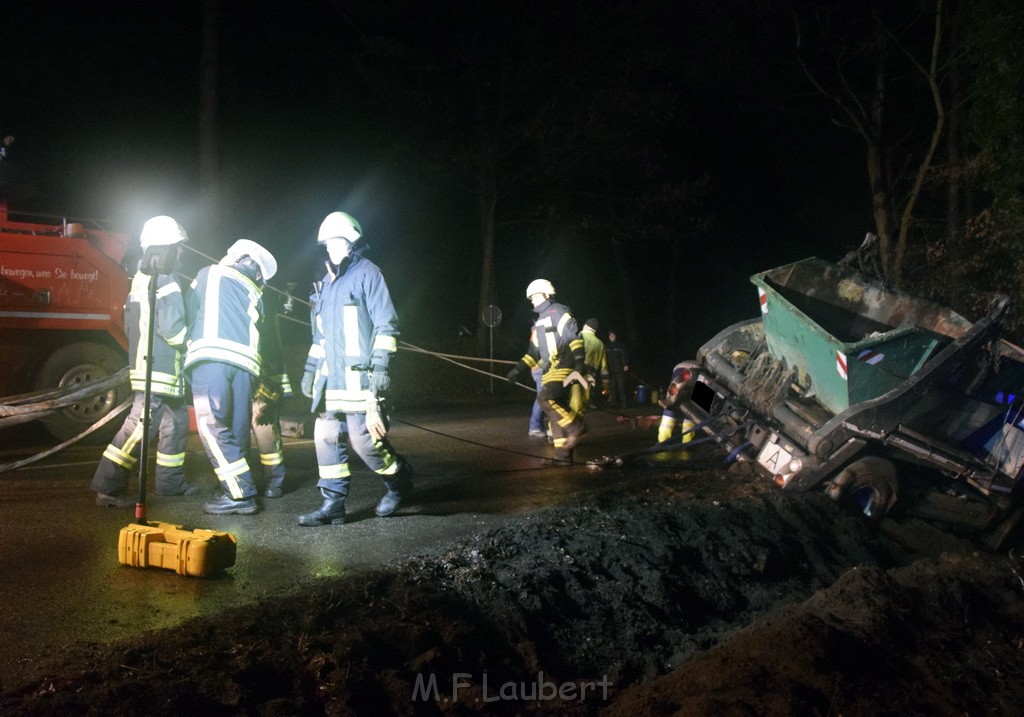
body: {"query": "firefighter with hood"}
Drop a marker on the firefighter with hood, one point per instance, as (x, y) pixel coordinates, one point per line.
(225, 311)
(555, 346)
(355, 336)
(160, 237)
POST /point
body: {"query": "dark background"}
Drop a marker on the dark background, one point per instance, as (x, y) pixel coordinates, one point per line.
(103, 99)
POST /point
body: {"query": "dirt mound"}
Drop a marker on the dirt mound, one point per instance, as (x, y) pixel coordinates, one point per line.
(664, 601)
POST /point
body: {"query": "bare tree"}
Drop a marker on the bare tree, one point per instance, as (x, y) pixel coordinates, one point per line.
(896, 172)
(209, 164)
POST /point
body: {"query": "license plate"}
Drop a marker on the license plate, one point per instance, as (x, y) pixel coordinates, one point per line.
(774, 459)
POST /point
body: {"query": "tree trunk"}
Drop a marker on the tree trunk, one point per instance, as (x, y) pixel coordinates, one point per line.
(954, 141)
(209, 163)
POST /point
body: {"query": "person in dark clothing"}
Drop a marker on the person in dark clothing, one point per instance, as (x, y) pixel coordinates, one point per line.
(618, 367)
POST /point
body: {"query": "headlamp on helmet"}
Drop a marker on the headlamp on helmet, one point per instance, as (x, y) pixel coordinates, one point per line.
(161, 231)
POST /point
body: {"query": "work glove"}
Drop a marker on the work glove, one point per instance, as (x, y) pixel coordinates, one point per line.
(512, 375)
(380, 381)
(374, 420)
(306, 385)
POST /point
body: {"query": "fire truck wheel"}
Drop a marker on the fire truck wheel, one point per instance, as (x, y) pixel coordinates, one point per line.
(870, 484)
(80, 363)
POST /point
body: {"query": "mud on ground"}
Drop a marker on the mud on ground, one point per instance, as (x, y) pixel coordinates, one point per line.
(691, 594)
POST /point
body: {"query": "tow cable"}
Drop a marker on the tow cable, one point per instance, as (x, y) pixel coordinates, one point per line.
(675, 444)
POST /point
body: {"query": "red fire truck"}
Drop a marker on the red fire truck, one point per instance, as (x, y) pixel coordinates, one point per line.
(62, 291)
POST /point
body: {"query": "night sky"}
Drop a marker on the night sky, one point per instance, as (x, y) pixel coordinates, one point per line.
(103, 99)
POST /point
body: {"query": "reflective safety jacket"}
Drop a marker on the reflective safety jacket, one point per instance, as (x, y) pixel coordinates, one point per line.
(355, 330)
(555, 344)
(225, 315)
(171, 333)
(596, 362)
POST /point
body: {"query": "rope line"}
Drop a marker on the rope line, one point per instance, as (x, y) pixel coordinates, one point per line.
(478, 444)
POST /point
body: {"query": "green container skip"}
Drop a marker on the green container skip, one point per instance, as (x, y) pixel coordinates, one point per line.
(850, 339)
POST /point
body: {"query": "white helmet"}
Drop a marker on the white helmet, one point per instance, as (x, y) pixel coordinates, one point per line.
(161, 231)
(247, 247)
(539, 286)
(339, 224)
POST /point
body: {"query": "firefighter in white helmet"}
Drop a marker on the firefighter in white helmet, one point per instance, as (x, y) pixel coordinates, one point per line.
(160, 238)
(355, 336)
(224, 361)
(555, 346)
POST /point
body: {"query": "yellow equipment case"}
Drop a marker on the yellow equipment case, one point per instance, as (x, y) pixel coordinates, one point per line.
(198, 553)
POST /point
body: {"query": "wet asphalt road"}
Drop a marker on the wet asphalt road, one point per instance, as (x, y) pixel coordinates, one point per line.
(61, 583)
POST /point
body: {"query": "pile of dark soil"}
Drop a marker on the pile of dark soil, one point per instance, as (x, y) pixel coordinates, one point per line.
(695, 595)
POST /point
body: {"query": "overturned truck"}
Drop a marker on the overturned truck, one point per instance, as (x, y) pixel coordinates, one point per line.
(884, 400)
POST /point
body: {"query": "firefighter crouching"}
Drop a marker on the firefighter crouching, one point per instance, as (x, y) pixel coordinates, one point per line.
(555, 346)
(355, 335)
(225, 310)
(673, 421)
(167, 388)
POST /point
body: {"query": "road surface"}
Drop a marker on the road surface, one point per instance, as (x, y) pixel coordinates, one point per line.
(61, 584)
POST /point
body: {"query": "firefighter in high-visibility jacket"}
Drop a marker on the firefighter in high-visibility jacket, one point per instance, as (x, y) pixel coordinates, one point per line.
(595, 365)
(274, 385)
(555, 346)
(225, 310)
(355, 335)
(167, 388)
(673, 421)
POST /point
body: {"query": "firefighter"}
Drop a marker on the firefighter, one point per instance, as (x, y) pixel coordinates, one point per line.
(274, 385)
(556, 347)
(595, 365)
(225, 311)
(355, 335)
(673, 420)
(167, 387)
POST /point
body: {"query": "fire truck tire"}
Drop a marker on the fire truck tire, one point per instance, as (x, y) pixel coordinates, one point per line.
(80, 363)
(870, 484)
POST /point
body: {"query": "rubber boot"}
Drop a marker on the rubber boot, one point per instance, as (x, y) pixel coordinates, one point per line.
(388, 504)
(332, 511)
(399, 487)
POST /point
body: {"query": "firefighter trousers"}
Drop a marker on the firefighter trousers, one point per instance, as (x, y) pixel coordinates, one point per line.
(333, 435)
(565, 424)
(271, 449)
(222, 397)
(121, 456)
